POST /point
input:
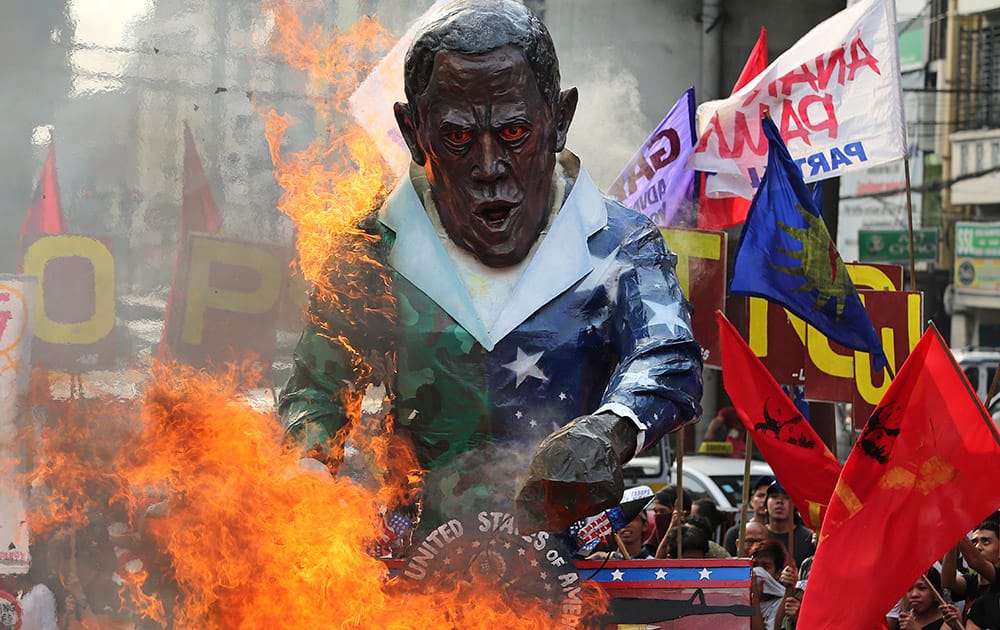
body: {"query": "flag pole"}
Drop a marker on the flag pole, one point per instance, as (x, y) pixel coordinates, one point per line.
(791, 542)
(746, 495)
(993, 387)
(909, 225)
(621, 546)
(679, 501)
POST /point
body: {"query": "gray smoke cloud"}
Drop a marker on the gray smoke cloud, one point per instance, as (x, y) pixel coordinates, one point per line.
(609, 126)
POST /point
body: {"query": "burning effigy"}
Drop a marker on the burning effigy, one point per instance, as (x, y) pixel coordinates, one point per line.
(488, 340)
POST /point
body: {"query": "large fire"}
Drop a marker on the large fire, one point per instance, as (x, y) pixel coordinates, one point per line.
(243, 536)
(210, 519)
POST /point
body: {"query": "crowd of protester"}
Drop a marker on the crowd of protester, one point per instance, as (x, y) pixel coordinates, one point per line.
(961, 591)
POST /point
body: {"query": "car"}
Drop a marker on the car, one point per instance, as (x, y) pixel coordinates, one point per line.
(718, 478)
(980, 366)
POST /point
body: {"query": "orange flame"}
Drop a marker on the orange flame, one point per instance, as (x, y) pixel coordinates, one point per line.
(252, 540)
(234, 532)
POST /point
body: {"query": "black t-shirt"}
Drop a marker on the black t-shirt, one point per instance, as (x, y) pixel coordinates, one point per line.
(729, 540)
(974, 587)
(804, 546)
(986, 611)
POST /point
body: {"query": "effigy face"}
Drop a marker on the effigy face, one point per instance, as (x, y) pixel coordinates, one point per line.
(488, 136)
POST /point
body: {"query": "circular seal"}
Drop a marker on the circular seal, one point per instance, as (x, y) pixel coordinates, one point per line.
(10, 612)
(966, 273)
(487, 546)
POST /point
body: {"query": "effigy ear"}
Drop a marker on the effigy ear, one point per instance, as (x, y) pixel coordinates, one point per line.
(408, 129)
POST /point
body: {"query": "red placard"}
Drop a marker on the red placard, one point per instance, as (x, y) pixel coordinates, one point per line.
(701, 272)
(226, 298)
(75, 317)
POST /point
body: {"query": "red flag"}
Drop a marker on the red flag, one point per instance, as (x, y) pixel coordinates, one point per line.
(919, 478)
(718, 214)
(800, 460)
(198, 214)
(198, 210)
(45, 214)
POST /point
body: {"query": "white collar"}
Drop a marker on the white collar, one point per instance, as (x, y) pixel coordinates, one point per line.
(562, 259)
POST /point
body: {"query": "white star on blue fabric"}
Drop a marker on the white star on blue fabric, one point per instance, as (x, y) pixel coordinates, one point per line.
(525, 365)
(668, 315)
(661, 574)
(704, 574)
(617, 575)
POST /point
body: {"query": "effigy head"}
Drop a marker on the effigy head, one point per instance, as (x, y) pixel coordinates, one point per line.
(485, 117)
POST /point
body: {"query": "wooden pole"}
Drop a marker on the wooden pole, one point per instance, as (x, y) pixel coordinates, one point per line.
(993, 388)
(740, 552)
(791, 541)
(909, 225)
(679, 501)
(621, 547)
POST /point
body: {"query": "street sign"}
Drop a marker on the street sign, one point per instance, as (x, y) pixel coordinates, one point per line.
(894, 246)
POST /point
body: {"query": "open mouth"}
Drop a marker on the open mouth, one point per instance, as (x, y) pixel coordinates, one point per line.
(495, 216)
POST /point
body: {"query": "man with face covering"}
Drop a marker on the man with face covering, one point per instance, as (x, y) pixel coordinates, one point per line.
(531, 310)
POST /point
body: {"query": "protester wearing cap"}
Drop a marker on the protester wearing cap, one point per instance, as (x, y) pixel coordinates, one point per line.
(758, 505)
(781, 521)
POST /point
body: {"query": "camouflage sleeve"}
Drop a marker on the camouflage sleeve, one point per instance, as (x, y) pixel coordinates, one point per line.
(311, 405)
(659, 375)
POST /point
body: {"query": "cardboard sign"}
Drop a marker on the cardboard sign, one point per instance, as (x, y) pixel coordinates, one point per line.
(17, 297)
(75, 319)
(701, 272)
(225, 301)
(888, 312)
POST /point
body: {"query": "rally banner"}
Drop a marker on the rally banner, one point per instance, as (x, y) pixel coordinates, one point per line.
(17, 298)
(224, 302)
(835, 95)
(75, 320)
(701, 272)
(370, 104)
(655, 181)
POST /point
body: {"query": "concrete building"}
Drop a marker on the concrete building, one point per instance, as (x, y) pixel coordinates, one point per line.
(969, 139)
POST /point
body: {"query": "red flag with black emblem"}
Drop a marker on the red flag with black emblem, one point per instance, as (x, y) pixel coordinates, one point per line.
(919, 477)
(799, 458)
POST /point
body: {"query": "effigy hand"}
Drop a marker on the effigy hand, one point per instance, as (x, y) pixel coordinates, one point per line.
(575, 473)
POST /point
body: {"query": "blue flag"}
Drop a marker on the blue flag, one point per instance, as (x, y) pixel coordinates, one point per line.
(785, 255)
(655, 181)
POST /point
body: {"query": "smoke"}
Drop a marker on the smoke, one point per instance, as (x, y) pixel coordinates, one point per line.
(609, 126)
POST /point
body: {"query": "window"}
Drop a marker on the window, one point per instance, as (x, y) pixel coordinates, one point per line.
(972, 373)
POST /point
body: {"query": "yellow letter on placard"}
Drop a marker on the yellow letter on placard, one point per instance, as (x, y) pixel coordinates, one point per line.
(687, 244)
(869, 277)
(863, 370)
(102, 321)
(201, 297)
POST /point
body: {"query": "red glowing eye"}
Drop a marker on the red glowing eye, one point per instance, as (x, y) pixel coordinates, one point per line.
(513, 132)
(459, 136)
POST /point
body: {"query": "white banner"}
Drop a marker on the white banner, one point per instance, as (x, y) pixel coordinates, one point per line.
(372, 103)
(17, 299)
(835, 95)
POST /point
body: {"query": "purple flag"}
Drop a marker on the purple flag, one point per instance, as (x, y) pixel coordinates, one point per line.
(655, 181)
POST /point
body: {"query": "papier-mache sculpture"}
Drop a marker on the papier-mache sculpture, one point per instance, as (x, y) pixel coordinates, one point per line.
(531, 311)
